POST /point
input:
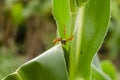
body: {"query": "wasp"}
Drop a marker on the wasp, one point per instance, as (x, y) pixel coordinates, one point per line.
(63, 41)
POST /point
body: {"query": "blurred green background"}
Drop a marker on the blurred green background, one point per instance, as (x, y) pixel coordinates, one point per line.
(27, 29)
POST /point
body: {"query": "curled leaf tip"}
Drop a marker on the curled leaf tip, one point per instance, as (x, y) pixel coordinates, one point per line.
(81, 3)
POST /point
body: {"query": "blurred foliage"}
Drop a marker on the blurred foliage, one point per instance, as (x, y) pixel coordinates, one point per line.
(24, 25)
(16, 13)
(113, 38)
(9, 62)
(19, 11)
(111, 46)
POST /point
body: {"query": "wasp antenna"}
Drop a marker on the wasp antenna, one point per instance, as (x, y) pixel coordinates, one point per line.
(64, 31)
(70, 38)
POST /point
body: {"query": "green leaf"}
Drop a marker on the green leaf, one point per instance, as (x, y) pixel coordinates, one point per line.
(109, 69)
(13, 76)
(48, 66)
(61, 12)
(91, 28)
(65, 12)
(97, 72)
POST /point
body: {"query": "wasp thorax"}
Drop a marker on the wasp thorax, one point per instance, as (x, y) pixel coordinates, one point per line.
(63, 41)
